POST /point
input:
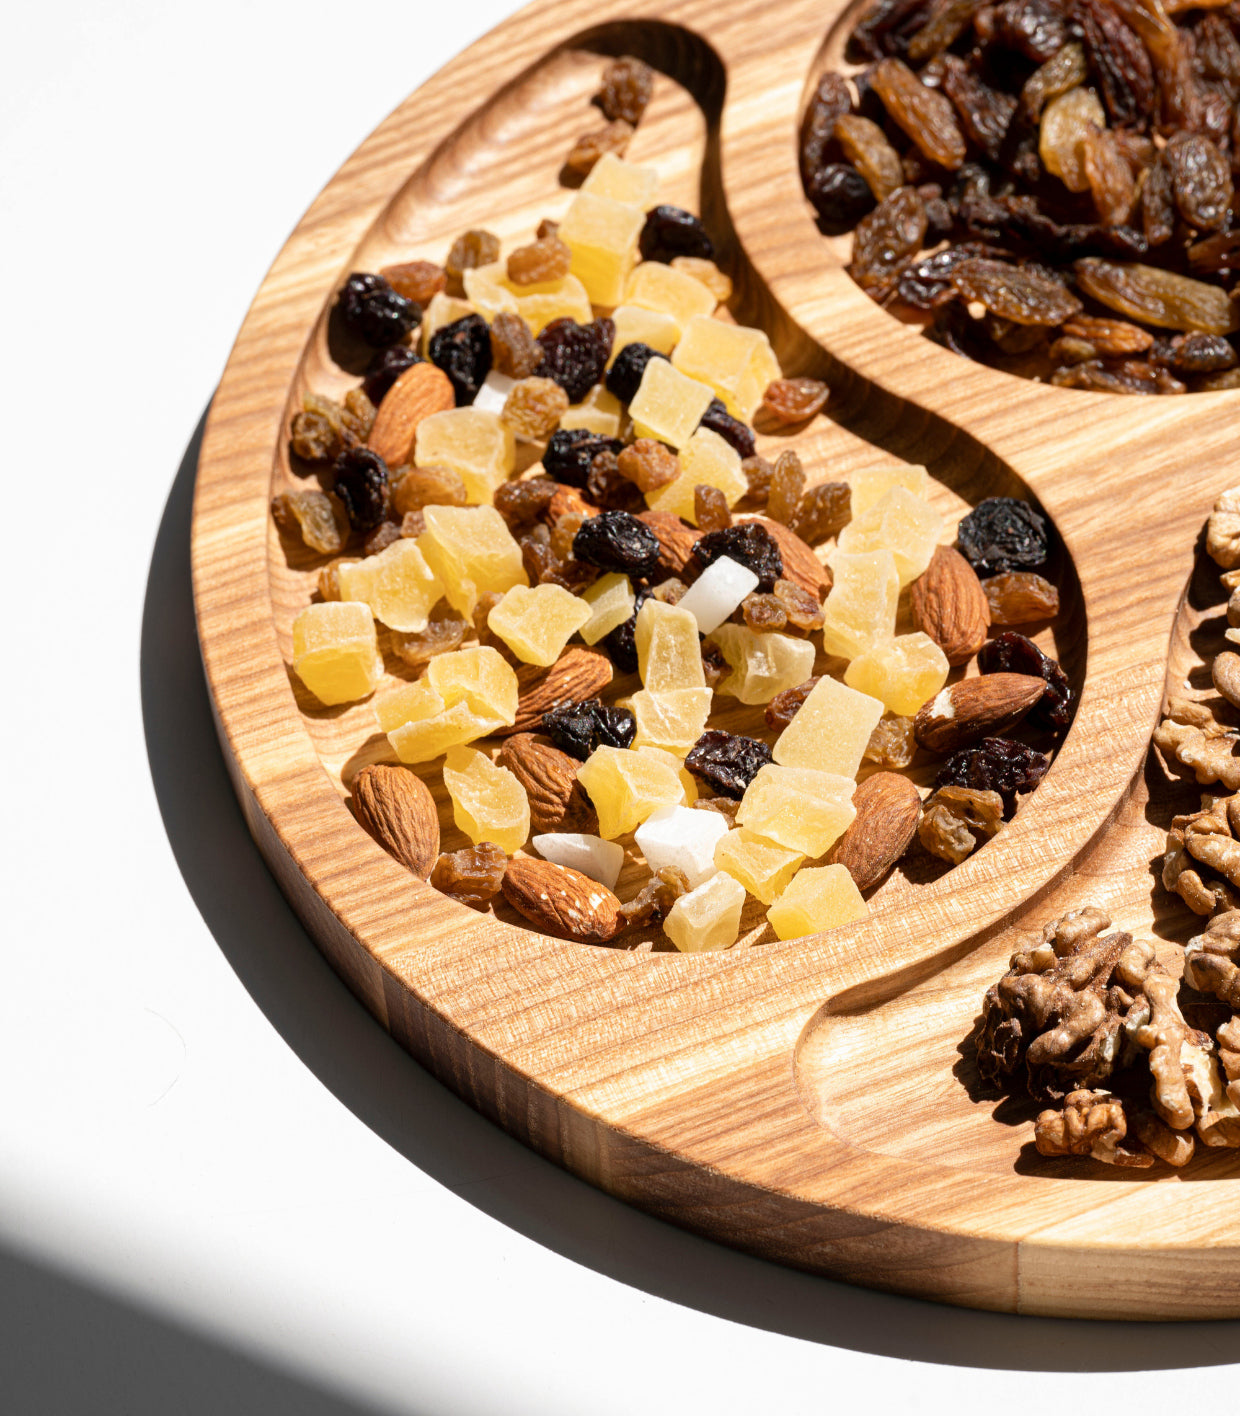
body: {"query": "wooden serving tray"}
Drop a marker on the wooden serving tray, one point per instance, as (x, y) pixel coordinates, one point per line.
(808, 1101)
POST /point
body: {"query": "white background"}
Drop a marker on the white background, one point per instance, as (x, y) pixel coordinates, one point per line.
(222, 1187)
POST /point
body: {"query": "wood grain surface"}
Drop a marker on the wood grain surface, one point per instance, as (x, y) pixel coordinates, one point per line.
(811, 1100)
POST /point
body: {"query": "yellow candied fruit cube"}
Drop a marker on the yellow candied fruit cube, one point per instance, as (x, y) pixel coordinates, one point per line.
(473, 442)
(635, 325)
(705, 460)
(762, 665)
(397, 584)
(668, 405)
(656, 286)
(904, 673)
(336, 651)
(481, 677)
(798, 808)
(673, 720)
(536, 624)
(486, 289)
(442, 310)
(472, 552)
(564, 299)
(821, 897)
(623, 181)
(708, 918)
(488, 803)
(599, 413)
(420, 726)
(901, 523)
(688, 782)
(669, 652)
(860, 608)
(733, 360)
(831, 730)
(626, 786)
(602, 235)
(611, 602)
(762, 867)
(871, 484)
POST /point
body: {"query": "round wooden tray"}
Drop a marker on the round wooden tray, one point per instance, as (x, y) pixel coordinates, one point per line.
(809, 1101)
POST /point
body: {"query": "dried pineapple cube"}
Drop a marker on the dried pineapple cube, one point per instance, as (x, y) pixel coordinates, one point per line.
(688, 782)
(656, 286)
(486, 289)
(488, 803)
(798, 808)
(336, 651)
(611, 602)
(635, 325)
(905, 672)
(420, 726)
(397, 584)
(901, 523)
(762, 665)
(598, 413)
(831, 730)
(673, 719)
(473, 442)
(480, 677)
(626, 786)
(602, 235)
(563, 299)
(442, 310)
(669, 653)
(622, 181)
(870, 485)
(536, 624)
(762, 867)
(705, 460)
(472, 553)
(668, 405)
(707, 918)
(860, 609)
(736, 362)
(821, 897)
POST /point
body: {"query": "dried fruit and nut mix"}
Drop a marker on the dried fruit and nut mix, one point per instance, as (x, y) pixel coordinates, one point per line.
(1046, 185)
(555, 445)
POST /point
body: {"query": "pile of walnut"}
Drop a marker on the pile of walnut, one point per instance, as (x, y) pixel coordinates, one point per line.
(1093, 1023)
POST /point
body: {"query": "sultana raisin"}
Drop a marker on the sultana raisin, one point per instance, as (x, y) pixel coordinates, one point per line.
(758, 473)
(763, 613)
(1017, 293)
(831, 99)
(710, 509)
(533, 408)
(1020, 597)
(671, 231)
(470, 250)
(669, 592)
(1119, 60)
(419, 281)
(416, 487)
(801, 608)
(361, 483)
(787, 488)
(522, 503)
(571, 453)
(1109, 336)
(318, 433)
(823, 512)
(927, 283)
(1035, 28)
(313, 517)
(794, 400)
(625, 375)
(1109, 177)
(723, 806)
(840, 196)
(924, 114)
(575, 355)
(472, 876)
(656, 897)
(386, 367)
(543, 260)
(613, 137)
(580, 728)
(1009, 652)
(1156, 296)
(627, 86)
(1200, 180)
(1003, 533)
(329, 578)
(463, 351)
(995, 765)
(715, 668)
(372, 310)
(1201, 354)
(727, 762)
(781, 710)
(735, 433)
(1215, 254)
(865, 145)
(648, 464)
(445, 631)
(1060, 74)
(892, 744)
(945, 24)
(617, 541)
(514, 349)
(885, 240)
(750, 545)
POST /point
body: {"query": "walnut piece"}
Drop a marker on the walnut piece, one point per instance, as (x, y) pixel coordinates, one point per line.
(1229, 1056)
(957, 819)
(1212, 959)
(1193, 736)
(1223, 530)
(1091, 1123)
(1211, 838)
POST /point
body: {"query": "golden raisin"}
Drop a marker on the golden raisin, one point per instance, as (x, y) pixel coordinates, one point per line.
(710, 509)
(627, 85)
(670, 591)
(564, 532)
(329, 578)
(787, 488)
(357, 414)
(416, 487)
(445, 631)
(824, 511)
(802, 609)
(472, 876)
(781, 710)
(1109, 336)
(534, 408)
(470, 250)
(381, 538)
(1020, 597)
(318, 432)
(892, 743)
(543, 260)
(757, 472)
(313, 517)
(514, 350)
(590, 146)
(649, 464)
(763, 613)
(521, 503)
(416, 280)
(794, 400)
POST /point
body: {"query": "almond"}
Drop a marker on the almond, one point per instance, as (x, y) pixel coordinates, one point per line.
(567, 501)
(975, 708)
(562, 902)
(801, 565)
(420, 390)
(949, 605)
(395, 806)
(576, 675)
(888, 808)
(676, 541)
(549, 776)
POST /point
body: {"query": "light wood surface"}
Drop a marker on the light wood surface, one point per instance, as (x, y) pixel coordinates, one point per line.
(802, 1100)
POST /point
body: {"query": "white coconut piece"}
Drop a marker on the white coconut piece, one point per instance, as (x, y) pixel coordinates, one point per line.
(494, 392)
(600, 860)
(716, 593)
(684, 838)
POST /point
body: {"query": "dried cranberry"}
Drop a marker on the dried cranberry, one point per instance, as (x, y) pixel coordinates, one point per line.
(670, 232)
(625, 375)
(731, 430)
(575, 355)
(1002, 533)
(994, 765)
(463, 351)
(1012, 653)
(841, 196)
(727, 762)
(579, 728)
(385, 368)
(750, 545)
(571, 452)
(617, 541)
(361, 483)
(372, 310)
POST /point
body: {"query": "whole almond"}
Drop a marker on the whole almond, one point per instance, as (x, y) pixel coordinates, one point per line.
(949, 605)
(549, 776)
(562, 902)
(576, 675)
(888, 808)
(421, 390)
(567, 501)
(676, 542)
(975, 708)
(395, 806)
(801, 565)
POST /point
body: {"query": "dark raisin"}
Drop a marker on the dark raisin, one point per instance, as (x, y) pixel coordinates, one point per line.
(571, 452)
(579, 728)
(731, 430)
(386, 367)
(727, 762)
(576, 355)
(841, 197)
(625, 375)
(1201, 354)
(521, 503)
(670, 231)
(372, 310)
(607, 487)
(749, 545)
(995, 765)
(617, 541)
(1002, 533)
(1012, 653)
(621, 643)
(463, 351)
(361, 483)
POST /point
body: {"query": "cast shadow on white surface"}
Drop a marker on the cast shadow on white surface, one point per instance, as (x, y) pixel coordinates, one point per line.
(351, 1055)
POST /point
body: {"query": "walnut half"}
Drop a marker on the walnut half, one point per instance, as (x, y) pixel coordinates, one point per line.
(1091, 1123)
(1192, 735)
